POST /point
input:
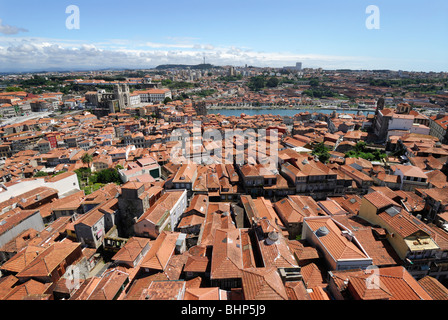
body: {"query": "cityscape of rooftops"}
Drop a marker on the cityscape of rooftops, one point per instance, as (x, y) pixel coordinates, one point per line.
(224, 150)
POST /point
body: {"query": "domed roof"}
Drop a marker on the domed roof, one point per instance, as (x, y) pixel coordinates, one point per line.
(322, 231)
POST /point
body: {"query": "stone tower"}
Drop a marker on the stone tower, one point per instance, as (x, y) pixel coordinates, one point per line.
(404, 108)
(123, 95)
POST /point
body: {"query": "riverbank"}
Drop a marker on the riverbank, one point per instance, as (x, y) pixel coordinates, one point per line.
(306, 108)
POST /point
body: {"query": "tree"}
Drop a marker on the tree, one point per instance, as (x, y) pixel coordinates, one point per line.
(314, 82)
(108, 176)
(361, 151)
(87, 159)
(83, 173)
(256, 83)
(40, 174)
(322, 152)
(167, 100)
(272, 82)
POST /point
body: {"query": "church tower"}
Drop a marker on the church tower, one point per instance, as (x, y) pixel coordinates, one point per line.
(123, 95)
(404, 108)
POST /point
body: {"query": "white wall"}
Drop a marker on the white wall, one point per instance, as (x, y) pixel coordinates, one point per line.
(34, 221)
(400, 124)
(178, 209)
(63, 186)
(420, 129)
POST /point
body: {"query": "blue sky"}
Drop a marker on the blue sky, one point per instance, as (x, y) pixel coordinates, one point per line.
(413, 35)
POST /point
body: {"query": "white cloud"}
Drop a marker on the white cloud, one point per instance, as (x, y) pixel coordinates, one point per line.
(6, 29)
(23, 53)
(167, 45)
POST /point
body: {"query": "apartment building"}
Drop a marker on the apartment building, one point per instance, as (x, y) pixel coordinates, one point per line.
(411, 177)
(163, 215)
(411, 238)
(312, 178)
(340, 248)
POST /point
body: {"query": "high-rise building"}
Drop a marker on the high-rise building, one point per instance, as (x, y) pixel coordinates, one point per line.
(296, 68)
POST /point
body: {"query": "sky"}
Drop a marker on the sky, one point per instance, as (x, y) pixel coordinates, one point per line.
(39, 35)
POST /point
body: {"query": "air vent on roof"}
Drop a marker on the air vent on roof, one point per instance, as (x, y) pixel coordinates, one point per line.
(272, 238)
(322, 231)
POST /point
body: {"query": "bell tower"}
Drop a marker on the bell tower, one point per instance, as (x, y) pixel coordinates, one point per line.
(122, 94)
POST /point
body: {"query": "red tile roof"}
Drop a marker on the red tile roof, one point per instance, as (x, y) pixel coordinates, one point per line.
(263, 284)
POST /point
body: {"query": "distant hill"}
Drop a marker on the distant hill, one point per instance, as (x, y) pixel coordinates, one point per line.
(185, 66)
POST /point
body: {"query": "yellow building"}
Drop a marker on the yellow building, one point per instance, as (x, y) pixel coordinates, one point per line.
(410, 237)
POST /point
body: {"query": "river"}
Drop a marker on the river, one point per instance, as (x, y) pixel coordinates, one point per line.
(280, 112)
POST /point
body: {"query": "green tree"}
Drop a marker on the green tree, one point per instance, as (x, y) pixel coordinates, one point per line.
(314, 82)
(13, 89)
(108, 176)
(83, 174)
(257, 83)
(40, 174)
(272, 82)
(322, 152)
(362, 151)
(87, 159)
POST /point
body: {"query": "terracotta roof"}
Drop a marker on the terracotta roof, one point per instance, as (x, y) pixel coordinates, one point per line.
(227, 259)
(202, 294)
(164, 204)
(164, 290)
(313, 276)
(296, 290)
(363, 289)
(410, 171)
(318, 293)
(337, 245)
(7, 284)
(331, 207)
(161, 251)
(398, 281)
(110, 285)
(175, 266)
(434, 288)
(30, 287)
(380, 200)
(131, 250)
(438, 194)
(22, 259)
(137, 287)
(263, 284)
(48, 260)
(14, 219)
